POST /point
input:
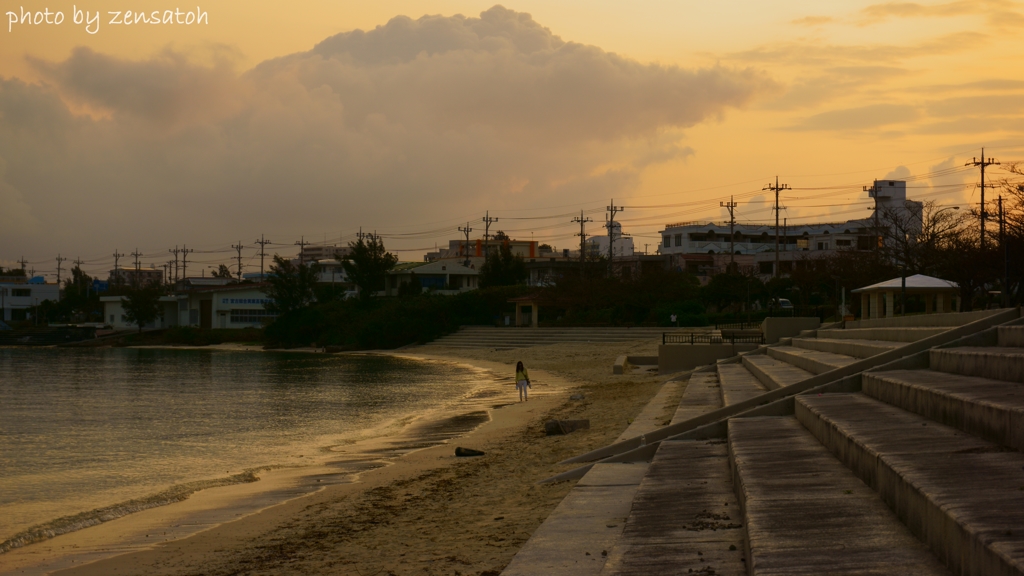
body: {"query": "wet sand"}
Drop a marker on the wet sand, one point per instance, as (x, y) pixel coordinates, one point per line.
(428, 513)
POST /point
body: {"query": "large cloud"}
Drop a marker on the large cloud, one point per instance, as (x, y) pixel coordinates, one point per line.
(411, 123)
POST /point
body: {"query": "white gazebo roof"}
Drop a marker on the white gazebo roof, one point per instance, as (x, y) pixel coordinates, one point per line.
(915, 282)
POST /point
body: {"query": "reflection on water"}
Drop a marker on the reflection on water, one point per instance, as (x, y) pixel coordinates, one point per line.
(83, 429)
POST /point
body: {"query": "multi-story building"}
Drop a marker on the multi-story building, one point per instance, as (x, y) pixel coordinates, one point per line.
(323, 253)
(458, 249)
(684, 240)
(18, 295)
(136, 276)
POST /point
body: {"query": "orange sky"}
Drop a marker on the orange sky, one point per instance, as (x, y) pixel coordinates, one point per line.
(171, 136)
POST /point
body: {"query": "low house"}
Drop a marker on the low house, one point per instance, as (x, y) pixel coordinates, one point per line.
(447, 276)
(113, 313)
(229, 306)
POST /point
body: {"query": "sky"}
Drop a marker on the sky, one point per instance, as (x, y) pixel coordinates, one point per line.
(311, 121)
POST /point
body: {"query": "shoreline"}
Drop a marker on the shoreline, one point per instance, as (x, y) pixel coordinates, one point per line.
(222, 503)
(510, 432)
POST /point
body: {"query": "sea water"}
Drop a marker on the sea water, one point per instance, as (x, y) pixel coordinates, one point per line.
(91, 432)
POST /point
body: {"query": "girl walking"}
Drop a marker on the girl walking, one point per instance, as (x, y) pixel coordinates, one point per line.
(522, 381)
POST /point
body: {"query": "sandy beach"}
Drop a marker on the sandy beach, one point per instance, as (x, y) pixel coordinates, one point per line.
(427, 513)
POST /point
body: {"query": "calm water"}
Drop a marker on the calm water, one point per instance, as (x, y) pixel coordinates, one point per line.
(84, 429)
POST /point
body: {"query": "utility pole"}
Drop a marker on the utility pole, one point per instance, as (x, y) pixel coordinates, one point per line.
(184, 260)
(23, 262)
(1006, 256)
(117, 258)
(731, 205)
(171, 265)
(776, 188)
(487, 232)
(612, 211)
(302, 247)
(466, 230)
(175, 252)
(59, 261)
(135, 280)
(982, 163)
(263, 245)
(78, 264)
(239, 247)
(583, 240)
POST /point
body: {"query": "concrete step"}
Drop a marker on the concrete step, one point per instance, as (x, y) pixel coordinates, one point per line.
(887, 334)
(685, 516)
(814, 361)
(991, 409)
(997, 363)
(700, 396)
(1011, 336)
(774, 373)
(957, 493)
(847, 346)
(588, 520)
(806, 513)
(738, 384)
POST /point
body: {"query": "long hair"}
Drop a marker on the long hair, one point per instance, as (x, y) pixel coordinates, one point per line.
(519, 366)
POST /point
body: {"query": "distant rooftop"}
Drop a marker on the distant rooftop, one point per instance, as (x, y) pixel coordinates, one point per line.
(915, 282)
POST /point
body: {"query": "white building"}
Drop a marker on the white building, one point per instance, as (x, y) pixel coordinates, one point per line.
(230, 306)
(622, 245)
(795, 242)
(114, 316)
(18, 297)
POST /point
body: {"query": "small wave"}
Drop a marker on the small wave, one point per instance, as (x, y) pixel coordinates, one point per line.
(81, 520)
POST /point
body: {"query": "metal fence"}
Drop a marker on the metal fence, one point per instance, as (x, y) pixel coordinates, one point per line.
(739, 326)
(694, 338)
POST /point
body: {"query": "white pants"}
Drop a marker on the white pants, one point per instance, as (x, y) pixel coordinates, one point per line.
(523, 386)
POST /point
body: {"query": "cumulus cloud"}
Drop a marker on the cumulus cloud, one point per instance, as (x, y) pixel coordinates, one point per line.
(414, 121)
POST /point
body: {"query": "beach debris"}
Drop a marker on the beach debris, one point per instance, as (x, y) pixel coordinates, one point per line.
(465, 452)
(576, 397)
(555, 427)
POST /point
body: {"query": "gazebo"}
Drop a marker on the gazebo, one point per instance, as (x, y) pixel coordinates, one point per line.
(939, 295)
